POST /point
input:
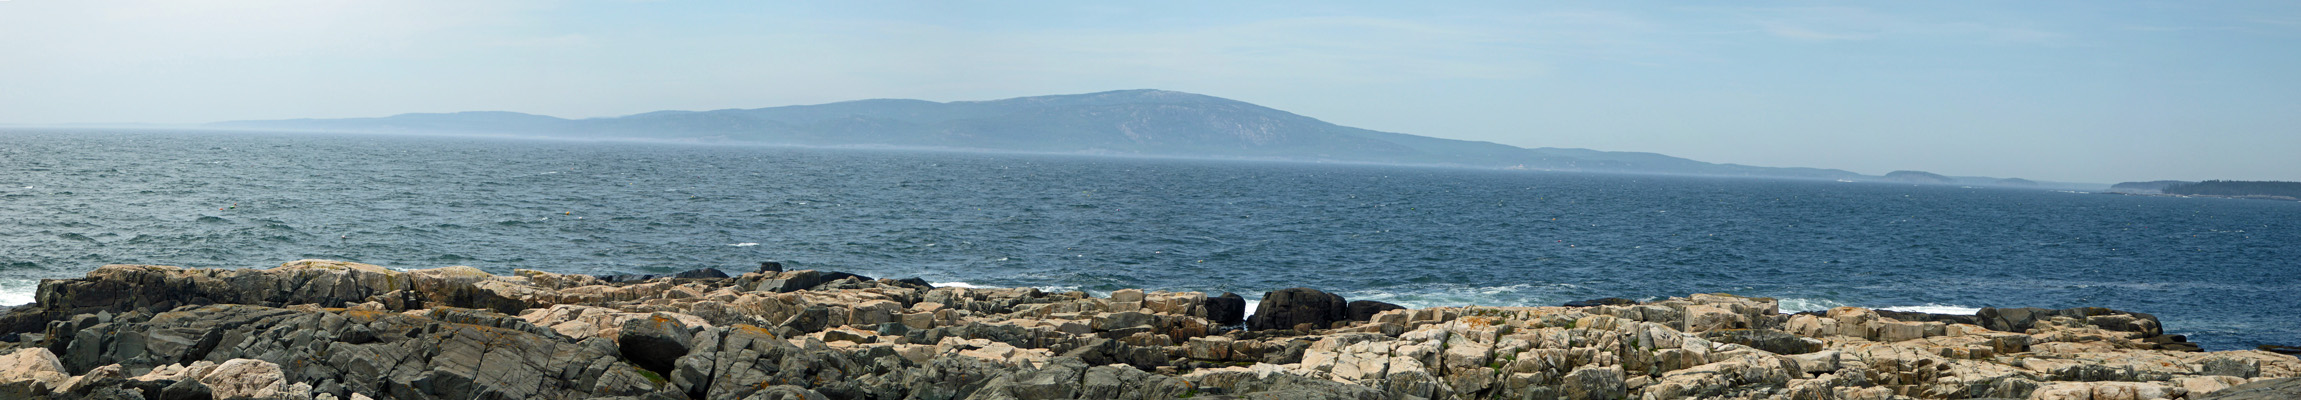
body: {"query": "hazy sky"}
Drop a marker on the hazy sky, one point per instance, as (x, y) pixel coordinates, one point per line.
(2070, 91)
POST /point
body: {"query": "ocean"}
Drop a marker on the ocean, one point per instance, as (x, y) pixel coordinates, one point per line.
(2225, 272)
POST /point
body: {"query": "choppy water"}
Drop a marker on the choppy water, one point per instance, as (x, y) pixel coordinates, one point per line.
(2222, 271)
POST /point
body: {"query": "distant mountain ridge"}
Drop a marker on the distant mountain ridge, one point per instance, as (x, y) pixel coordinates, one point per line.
(1124, 122)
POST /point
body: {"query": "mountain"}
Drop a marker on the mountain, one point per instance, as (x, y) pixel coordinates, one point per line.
(1918, 177)
(1126, 122)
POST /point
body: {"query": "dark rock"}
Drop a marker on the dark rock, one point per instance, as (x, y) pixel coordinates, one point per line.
(2271, 389)
(1059, 378)
(703, 273)
(892, 329)
(770, 267)
(1113, 382)
(2141, 325)
(2287, 350)
(792, 281)
(1363, 310)
(655, 342)
(1227, 309)
(732, 362)
(1280, 386)
(2241, 368)
(1774, 341)
(625, 278)
(916, 283)
(1925, 317)
(1285, 308)
(188, 389)
(1610, 301)
(809, 320)
(1099, 351)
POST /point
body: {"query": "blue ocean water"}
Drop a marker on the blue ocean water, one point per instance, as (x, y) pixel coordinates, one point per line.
(2222, 271)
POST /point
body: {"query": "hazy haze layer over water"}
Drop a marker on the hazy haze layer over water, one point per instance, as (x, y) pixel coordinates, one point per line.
(2222, 271)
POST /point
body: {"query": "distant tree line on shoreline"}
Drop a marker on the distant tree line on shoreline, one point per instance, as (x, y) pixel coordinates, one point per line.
(2238, 188)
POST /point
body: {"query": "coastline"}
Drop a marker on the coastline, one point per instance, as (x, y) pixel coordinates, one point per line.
(316, 329)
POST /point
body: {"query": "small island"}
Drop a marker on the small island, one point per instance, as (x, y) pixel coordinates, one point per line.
(316, 329)
(2244, 189)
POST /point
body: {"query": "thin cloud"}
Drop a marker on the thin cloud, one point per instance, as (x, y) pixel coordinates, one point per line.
(1799, 33)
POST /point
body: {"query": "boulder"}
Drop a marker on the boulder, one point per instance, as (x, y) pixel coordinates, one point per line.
(1363, 310)
(1286, 308)
(655, 342)
(242, 377)
(792, 281)
(1226, 310)
(34, 369)
(770, 267)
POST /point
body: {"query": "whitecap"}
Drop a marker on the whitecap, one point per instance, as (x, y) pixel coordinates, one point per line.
(1931, 308)
(962, 285)
(1799, 305)
(16, 292)
(1519, 295)
(744, 244)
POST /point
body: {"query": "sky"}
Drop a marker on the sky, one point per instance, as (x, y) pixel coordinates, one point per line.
(2079, 91)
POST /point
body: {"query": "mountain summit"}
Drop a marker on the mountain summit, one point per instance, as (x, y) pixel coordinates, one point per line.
(1133, 122)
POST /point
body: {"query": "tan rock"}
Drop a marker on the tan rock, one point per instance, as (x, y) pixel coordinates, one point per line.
(241, 377)
(32, 365)
(1704, 318)
(1895, 331)
(2199, 385)
(1209, 347)
(96, 374)
(2106, 391)
(874, 312)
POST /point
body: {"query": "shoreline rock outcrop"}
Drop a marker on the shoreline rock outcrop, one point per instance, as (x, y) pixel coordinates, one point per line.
(315, 329)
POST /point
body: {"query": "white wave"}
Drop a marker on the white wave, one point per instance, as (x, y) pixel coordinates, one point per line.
(1519, 295)
(1799, 305)
(1931, 308)
(958, 284)
(17, 292)
(744, 244)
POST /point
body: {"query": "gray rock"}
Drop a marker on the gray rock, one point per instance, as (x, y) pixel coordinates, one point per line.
(1241, 384)
(1594, 383)
(1059, 379)
(2271, 389)
(785, 392)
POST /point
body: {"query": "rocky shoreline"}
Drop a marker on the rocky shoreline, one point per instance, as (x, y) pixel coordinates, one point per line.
(315, 329)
